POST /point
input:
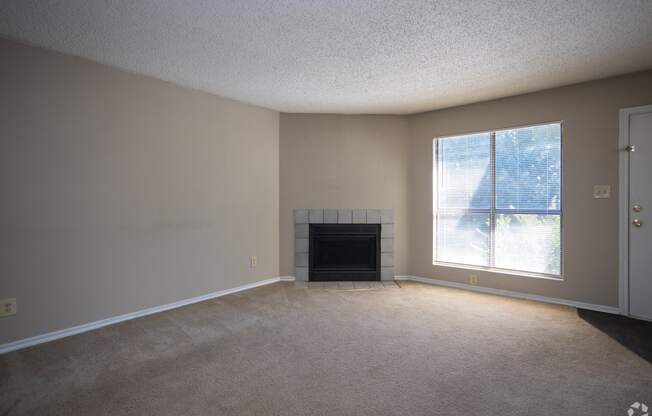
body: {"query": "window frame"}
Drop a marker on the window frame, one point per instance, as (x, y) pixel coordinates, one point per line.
(492, 211)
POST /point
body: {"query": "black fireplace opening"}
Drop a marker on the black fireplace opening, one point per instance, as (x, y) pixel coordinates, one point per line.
(343, 252)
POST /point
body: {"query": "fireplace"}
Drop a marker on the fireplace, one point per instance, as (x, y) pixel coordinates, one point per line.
(347, 241)
(343, 252)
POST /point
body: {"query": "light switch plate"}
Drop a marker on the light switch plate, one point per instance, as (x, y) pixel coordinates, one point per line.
(601, 191)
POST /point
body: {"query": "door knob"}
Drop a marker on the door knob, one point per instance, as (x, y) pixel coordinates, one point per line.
(637, 223)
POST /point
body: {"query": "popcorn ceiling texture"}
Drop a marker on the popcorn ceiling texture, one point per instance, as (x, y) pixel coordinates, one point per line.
(335, 56)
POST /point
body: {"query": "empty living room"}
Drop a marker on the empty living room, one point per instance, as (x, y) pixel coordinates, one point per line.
(328, 207)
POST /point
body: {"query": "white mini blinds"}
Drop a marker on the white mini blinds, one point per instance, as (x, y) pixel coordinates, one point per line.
(497, 199)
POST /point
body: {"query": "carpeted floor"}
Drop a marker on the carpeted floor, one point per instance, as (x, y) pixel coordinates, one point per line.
(286, 350)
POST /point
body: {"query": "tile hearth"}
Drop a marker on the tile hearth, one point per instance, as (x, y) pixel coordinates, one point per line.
(387, 284)
(303, 217)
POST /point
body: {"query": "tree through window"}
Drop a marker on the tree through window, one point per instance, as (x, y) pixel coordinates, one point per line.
(497, 199)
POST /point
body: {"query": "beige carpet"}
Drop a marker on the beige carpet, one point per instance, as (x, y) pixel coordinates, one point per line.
(286, 350)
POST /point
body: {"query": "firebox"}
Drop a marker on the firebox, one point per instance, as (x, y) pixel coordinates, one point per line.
(343, 252)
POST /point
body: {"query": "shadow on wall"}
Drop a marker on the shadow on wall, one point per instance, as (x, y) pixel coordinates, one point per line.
(633, 334)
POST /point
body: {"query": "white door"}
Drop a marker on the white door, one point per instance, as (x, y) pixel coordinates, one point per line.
(640, 211)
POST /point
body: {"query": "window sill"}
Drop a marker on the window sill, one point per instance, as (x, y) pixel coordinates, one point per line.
(509, 272)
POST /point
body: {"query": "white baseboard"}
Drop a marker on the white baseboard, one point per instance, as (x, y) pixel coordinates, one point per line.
(512, 294)
(51, 336)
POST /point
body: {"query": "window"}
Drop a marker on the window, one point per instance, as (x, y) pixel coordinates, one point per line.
(497, 199)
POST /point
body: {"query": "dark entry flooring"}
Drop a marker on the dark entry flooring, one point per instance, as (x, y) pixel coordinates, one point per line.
(634, 334)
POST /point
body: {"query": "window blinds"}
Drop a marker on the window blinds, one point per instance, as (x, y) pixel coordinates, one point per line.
(497, 199)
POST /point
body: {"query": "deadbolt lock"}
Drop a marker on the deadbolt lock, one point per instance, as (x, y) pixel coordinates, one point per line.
(631, 148)
(637, 208)
(637, 223)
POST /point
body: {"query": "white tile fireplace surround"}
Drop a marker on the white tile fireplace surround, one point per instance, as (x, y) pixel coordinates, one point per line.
(305, 216)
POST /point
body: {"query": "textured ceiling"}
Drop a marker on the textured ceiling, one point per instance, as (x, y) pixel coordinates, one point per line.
(340, 56)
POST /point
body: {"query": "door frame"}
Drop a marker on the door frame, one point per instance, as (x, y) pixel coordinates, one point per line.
(623, 205)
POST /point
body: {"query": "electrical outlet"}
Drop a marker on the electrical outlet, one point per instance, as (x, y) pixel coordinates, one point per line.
(8, 307)
(473, 279)
(253, 261)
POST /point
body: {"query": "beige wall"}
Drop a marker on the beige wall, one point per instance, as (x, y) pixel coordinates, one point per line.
(351, 161)
(590, 156)
(335, 161)
(122, 192)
